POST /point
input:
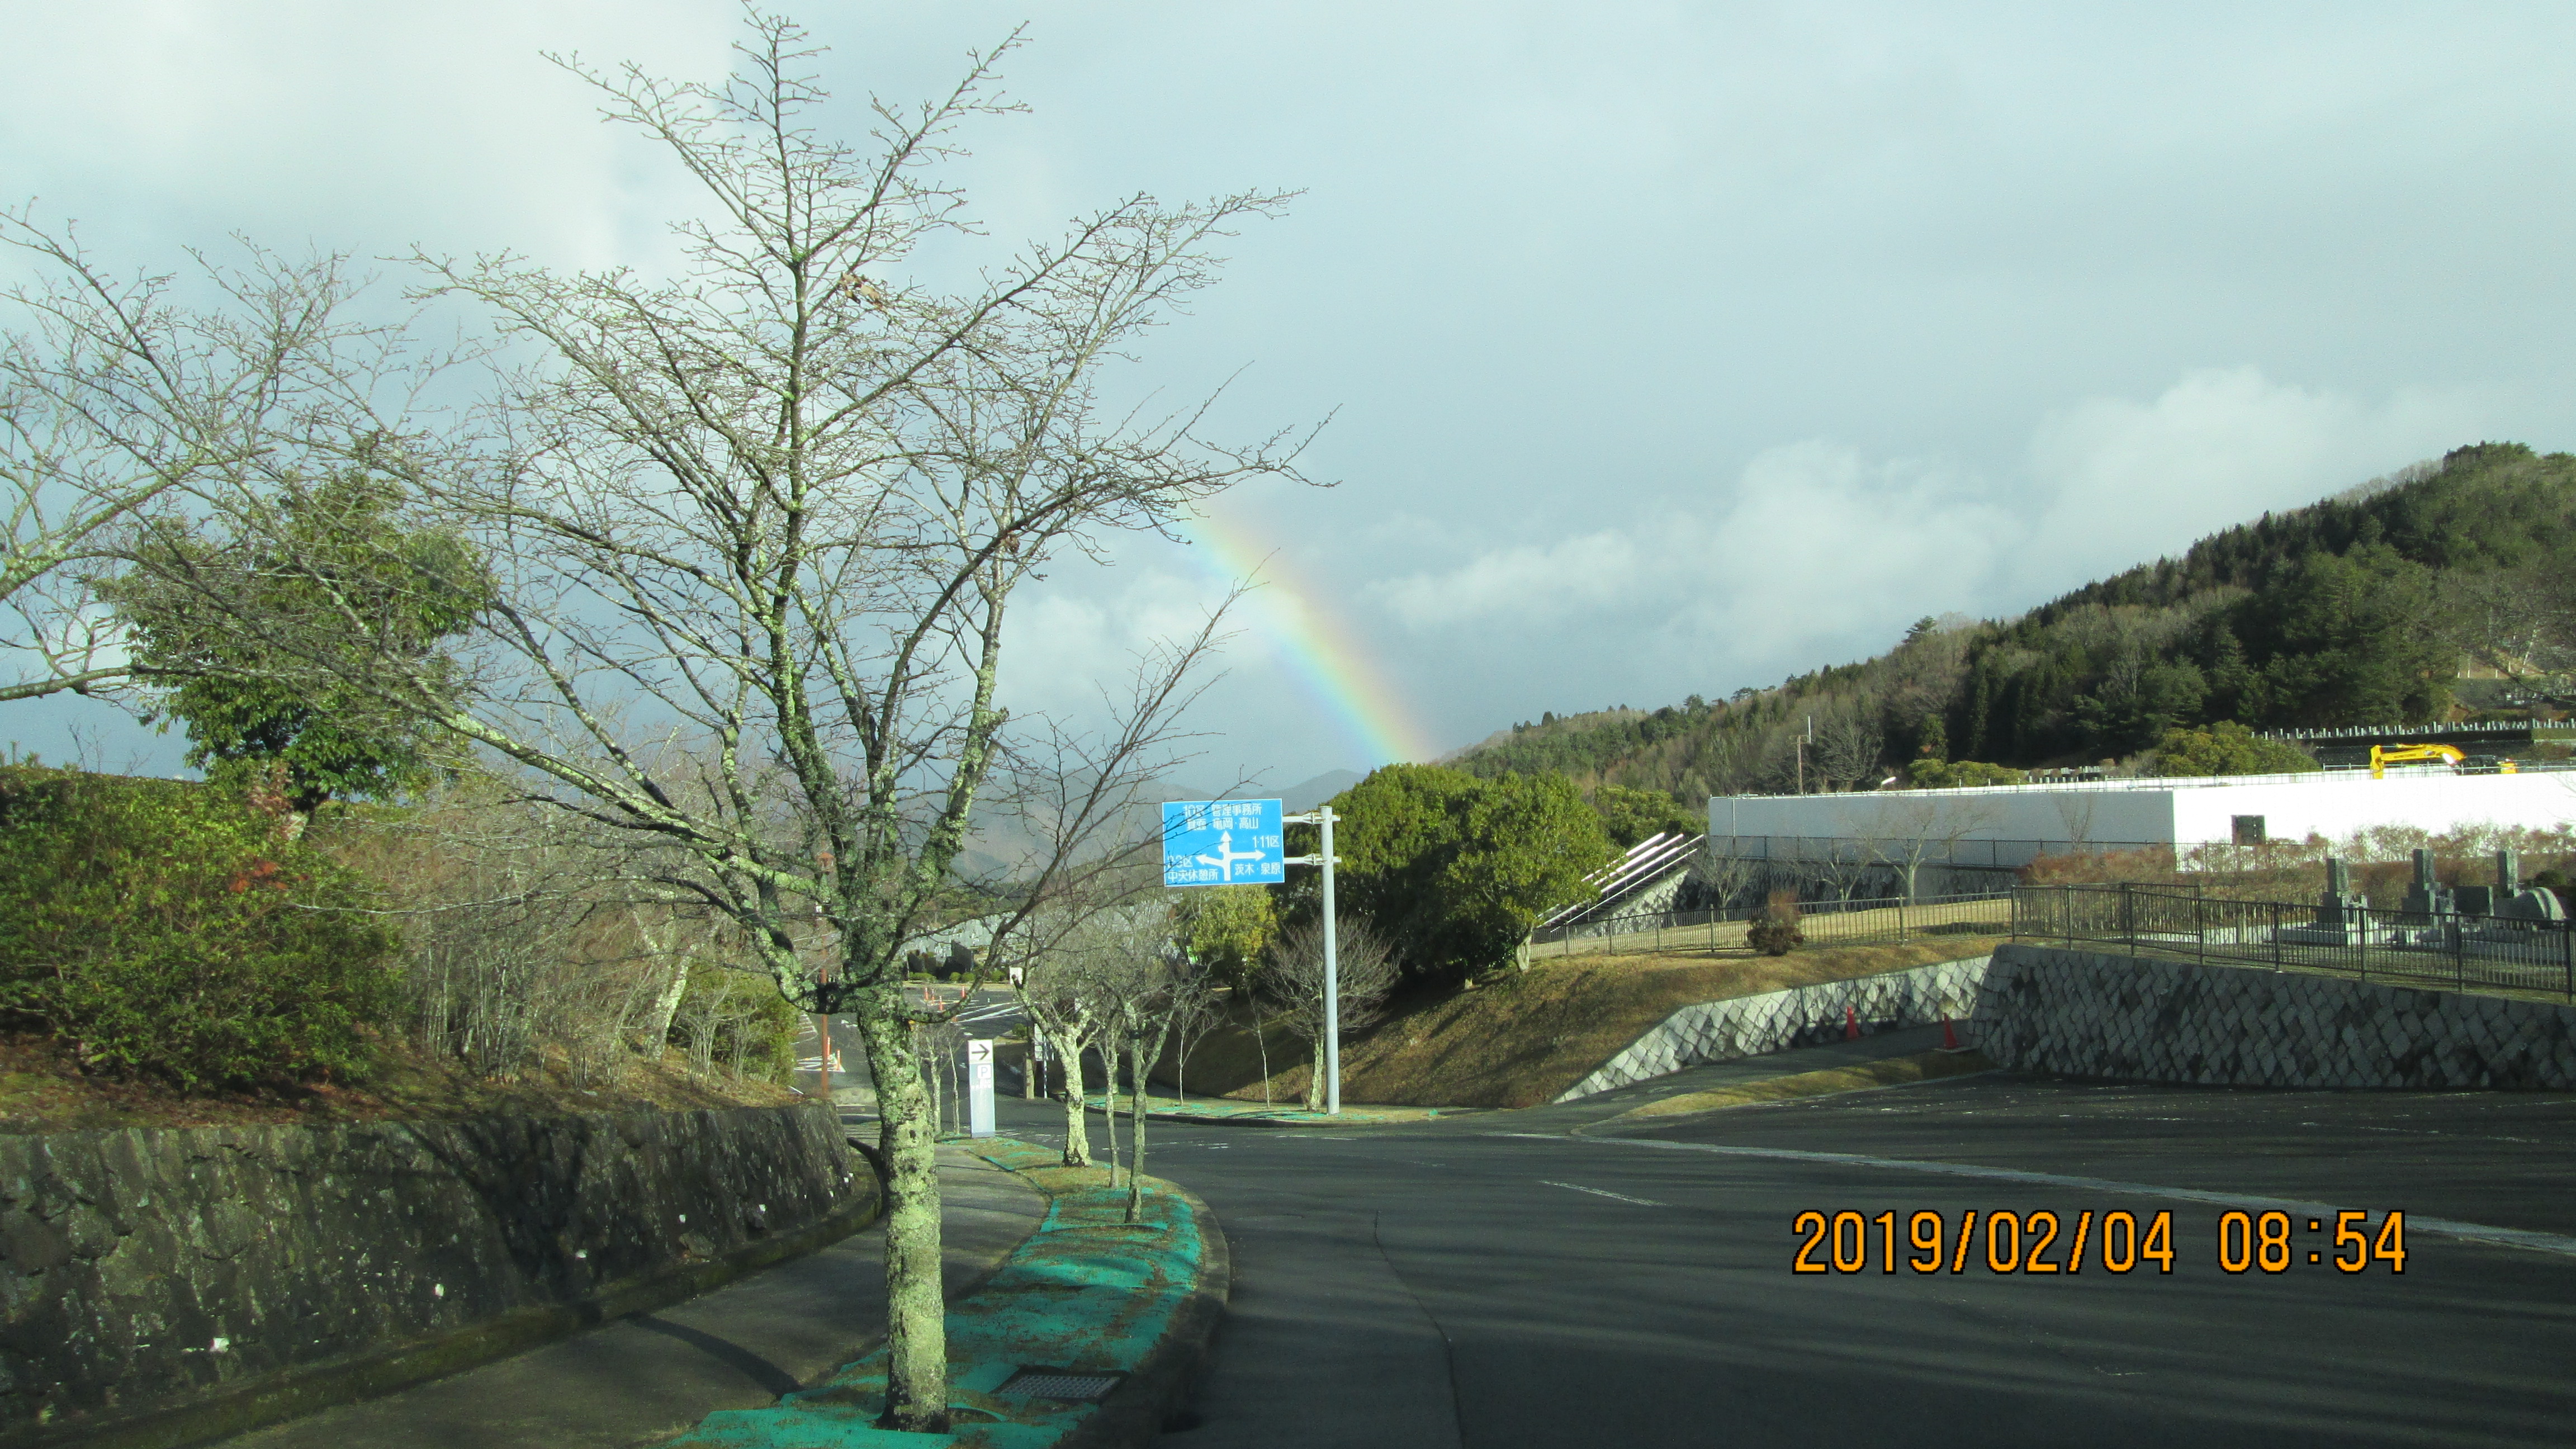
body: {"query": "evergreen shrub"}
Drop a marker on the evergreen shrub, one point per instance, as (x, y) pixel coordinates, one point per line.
(161, 928)
(1774, 931)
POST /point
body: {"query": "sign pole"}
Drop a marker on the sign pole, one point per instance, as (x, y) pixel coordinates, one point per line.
(1332, 978)
(1238, 842)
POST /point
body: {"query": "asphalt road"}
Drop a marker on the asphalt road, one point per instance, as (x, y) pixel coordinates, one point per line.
(1493, 1282)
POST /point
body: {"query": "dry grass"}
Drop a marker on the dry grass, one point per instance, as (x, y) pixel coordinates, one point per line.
(1868, 1076)
(1522, 1040)
(41, 1090)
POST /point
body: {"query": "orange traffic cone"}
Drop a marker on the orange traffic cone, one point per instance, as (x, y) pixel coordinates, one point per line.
(1949, 1038)
(1851, 1023)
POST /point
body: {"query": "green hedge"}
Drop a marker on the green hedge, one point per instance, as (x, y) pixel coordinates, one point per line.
(162, 928)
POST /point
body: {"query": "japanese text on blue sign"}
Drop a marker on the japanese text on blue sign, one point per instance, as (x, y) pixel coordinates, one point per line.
(1222, 842)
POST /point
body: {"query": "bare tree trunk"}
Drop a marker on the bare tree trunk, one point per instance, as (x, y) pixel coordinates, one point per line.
(916, 1326)
(666, 1006)
(1136, 1168)
(1261, 1039)
(1077, 1132)
(1143, 1057)
(1109, 1102)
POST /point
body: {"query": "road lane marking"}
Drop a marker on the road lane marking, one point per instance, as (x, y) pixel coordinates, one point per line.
(1601, 1192)
(2446, 1227)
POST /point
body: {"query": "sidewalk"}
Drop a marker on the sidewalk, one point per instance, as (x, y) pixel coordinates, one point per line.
(656, 1374)
(1089, 1336)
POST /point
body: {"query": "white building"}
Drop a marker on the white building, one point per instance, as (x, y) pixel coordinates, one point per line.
(2006, 826)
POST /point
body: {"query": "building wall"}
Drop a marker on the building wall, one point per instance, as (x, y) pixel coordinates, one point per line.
(2165, 812)
(2347, 801)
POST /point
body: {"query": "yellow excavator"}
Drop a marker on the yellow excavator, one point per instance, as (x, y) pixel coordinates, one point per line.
(2383, 756)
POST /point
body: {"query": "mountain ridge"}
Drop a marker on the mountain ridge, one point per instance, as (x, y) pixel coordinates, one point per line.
(2363, 608)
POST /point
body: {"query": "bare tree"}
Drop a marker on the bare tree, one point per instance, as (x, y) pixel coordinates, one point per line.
(1145, 984)
(1061, 1010)
(1073, 953)
(1194, 1015)
(2520, 622)
(115, 398)
(1295, 979)
(754, 532)
(1841, 867)
(1917, 827)
(1848, 744)
(1715, 879)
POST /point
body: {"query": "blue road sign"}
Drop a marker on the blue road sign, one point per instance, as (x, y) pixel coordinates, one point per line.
(1222, 842)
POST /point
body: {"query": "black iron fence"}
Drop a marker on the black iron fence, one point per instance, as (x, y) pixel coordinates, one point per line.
(1824, 923)
(2464, 952)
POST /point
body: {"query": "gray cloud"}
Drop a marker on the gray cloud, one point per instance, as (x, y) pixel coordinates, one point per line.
(1673, 347)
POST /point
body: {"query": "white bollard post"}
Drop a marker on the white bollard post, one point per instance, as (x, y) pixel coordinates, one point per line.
(979, 1088)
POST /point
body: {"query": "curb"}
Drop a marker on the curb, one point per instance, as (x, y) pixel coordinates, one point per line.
(1158, 1391)
(1086, 1293)
(1317, 1119)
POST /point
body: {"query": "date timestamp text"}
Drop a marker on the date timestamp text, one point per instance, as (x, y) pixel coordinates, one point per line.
(2042, 1241)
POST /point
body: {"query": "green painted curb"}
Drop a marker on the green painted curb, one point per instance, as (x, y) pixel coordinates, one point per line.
(1085, 1293)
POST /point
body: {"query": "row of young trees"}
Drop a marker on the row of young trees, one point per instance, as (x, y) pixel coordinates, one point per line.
(1144, 982)
(717, 563)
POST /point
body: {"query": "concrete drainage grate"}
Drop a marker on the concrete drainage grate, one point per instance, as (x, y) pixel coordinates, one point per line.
(1070, 1385)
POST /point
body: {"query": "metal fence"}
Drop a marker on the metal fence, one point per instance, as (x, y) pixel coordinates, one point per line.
(1825, 923)
(2460, 951)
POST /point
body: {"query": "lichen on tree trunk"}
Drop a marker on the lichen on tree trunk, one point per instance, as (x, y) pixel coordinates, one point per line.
(916, 1323)
(1077, 1132)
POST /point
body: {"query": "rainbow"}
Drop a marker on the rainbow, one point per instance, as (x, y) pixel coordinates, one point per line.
(1330, 661)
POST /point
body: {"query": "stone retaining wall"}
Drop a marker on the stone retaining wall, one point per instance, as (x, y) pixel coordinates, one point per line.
(194, 1279)
(2091, 1014)
(1744, 1026)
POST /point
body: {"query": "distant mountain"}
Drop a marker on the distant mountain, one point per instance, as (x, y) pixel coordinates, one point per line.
(1305, 796)
(2363, 609)
(1316, 791)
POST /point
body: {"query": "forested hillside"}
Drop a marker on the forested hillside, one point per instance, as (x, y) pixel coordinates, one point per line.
(2364, 609)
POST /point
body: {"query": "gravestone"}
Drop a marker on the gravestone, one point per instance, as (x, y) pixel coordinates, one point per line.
(2339, 911)
(2428, 899)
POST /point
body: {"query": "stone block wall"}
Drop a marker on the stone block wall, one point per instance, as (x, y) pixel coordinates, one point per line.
(1744, 1026)
(2092, 1014)
(143, 1272)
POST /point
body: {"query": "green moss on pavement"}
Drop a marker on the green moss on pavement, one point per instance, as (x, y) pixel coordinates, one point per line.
(1087, 1292)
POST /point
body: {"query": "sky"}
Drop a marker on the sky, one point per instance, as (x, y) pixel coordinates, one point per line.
(1666, 349)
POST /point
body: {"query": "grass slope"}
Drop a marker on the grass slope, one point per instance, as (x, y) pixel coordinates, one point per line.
(1521, 1041)
(43, 1090)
